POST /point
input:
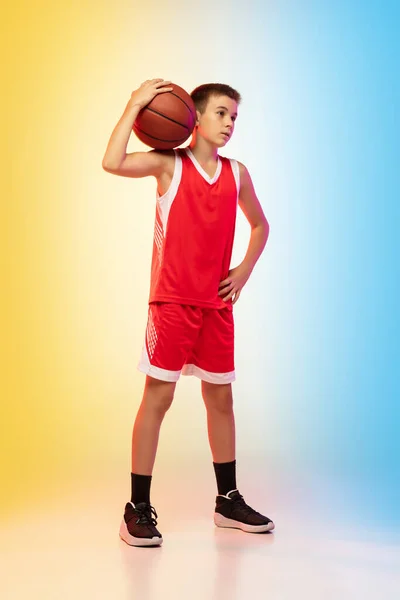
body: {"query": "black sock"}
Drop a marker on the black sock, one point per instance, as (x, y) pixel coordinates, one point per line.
(140, 488)
(226, 476)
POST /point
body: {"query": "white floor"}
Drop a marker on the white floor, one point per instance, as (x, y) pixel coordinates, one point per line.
(71, 550)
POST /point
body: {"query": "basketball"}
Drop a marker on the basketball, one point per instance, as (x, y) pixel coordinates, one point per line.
(167, 121)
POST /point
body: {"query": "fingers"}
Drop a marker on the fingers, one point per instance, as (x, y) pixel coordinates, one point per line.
(236, 298)
(234, 294)
(162, 86)
(229, 296)
(226, 288)
(224, 282)
(164, 89)
(230, 292)
(157, 86)
(230, 289)
(156, 82)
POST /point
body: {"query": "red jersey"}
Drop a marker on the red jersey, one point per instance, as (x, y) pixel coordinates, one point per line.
(194, 232)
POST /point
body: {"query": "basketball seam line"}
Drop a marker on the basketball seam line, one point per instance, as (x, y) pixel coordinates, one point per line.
(182, 100)
(165, 117)
(159, 139)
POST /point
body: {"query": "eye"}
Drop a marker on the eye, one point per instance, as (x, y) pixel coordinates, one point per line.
(221, 112)
(234, 119)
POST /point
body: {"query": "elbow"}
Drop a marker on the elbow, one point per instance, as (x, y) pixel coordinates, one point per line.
(112, 164)
(110, 168)
(114, 167)
(106, 166)
(266, 230)
(263, 226)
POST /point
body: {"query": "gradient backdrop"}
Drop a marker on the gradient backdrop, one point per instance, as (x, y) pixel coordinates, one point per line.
(317, 395)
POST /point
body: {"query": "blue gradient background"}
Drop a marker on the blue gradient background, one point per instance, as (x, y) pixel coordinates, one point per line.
(325, 356)
(317, 326)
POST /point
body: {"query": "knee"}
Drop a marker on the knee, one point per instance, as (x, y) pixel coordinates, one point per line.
(158, 396)
(218, 398)
(158, 405)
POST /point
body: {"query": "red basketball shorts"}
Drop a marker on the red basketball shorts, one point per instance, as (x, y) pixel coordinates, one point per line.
(190, 340)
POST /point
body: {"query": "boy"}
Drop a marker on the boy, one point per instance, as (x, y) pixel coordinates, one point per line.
(190, 323)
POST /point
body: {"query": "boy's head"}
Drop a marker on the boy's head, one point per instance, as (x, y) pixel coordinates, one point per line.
(216, 108)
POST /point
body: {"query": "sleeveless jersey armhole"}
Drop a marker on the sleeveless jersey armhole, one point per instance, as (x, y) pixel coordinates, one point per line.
(165, 201)
(236, 174)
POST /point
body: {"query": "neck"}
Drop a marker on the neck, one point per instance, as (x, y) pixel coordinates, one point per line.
(203, 150)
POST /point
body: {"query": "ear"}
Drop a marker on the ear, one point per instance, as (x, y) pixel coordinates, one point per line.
(198, 116)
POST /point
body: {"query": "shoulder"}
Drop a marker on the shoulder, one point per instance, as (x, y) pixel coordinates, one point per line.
(241, 167)
(164, 156)
(165, 160)
(244, 175)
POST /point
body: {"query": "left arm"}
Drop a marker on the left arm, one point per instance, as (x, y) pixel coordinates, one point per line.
(251, 207)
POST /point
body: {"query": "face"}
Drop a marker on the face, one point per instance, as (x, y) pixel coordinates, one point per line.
(217, 123)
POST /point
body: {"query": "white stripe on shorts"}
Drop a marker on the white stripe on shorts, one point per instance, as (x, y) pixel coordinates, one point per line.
(219, 378)
(146, 367)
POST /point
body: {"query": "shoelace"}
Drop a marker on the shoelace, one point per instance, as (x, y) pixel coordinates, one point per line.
(240, 503)
(145, 515)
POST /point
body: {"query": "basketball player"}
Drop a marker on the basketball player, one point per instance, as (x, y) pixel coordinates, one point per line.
(190, 321)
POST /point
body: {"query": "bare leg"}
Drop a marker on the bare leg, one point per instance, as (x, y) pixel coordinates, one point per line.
(230, 510)
(157, 399)
(220, 420)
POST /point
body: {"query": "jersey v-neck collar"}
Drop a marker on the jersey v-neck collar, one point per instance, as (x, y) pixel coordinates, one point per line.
(200, 169)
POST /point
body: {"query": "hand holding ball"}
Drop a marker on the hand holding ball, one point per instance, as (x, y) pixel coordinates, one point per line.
(168, 116)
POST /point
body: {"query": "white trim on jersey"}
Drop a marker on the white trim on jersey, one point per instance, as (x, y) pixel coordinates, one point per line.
(219, 378)
(165, 201)
(146, 367)
(236, 174)
(200, 169)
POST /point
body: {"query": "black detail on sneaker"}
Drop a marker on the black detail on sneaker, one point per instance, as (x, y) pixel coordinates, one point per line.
(138, 527)
(232, 511)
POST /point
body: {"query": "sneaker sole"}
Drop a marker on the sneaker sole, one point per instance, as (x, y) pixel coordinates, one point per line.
(222, 521)
(134, 541)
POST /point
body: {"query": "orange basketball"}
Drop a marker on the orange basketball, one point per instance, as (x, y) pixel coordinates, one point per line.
(167, 121)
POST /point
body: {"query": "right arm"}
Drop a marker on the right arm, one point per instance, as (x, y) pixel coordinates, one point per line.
(136, 164)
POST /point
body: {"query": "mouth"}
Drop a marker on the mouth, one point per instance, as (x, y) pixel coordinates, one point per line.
(226, 135)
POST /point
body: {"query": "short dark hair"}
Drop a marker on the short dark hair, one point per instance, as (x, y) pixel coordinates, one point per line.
(202, 94)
